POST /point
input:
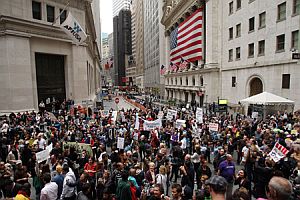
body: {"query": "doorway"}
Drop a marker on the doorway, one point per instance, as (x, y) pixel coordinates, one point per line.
(256, 86)
(50, 75)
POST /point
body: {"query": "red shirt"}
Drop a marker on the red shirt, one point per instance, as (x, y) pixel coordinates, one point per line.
(92, 167)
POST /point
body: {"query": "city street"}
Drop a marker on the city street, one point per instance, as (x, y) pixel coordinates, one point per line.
(122, 104)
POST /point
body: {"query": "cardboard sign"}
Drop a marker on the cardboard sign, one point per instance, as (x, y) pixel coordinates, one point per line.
(171, 114)
(150, 125)
(120, 143)
(199, 115)
(213, 127)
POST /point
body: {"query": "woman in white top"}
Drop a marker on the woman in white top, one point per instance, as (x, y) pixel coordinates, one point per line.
(162, 178)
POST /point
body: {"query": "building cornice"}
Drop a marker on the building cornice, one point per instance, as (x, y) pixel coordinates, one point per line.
(27, 28)
(193, 72)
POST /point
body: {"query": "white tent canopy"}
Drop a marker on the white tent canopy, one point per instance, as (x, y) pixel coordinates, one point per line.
(266, 98)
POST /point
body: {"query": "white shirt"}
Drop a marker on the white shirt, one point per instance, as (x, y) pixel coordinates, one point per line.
(41, 143)
(49, 192)
(245, 152)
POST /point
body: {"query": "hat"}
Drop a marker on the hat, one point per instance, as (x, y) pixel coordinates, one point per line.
(217, 180)
(19, 162)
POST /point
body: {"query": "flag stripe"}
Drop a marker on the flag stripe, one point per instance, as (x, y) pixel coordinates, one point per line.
(197, 42)
(193, 27)
(191, 58)
(193, 51)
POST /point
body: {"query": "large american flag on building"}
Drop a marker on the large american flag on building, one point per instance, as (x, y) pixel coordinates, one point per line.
(186, 39)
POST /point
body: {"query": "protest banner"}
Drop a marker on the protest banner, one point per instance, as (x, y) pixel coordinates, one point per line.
(79, 147)
(179, 123)
(278, 152)
(120, 143)
(199, 115)
(171, 114)
(213, 127)
(150, 125)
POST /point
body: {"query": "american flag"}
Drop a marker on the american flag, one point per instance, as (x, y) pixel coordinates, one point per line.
(183, 64)
(163, 70)
(173, 67)
(186, 39)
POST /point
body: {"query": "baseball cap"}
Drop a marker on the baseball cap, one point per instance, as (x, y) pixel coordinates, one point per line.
(217, 180)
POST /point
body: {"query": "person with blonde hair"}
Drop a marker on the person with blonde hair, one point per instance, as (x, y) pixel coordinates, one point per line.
(162, 178)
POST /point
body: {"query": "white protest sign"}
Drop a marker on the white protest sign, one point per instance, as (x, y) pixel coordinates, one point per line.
(179, 123)
(49, 148)
(42, 156)
(150, 125)
(171, 113)
(213, 126)
(73, 29)
(137, 122)
(160, 114)
(199, 115)
(114, 115)
(278, 152)
(254, 115)
(120, 143)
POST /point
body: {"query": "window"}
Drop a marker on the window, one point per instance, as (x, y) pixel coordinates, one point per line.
(50, 13)
(280, 42)
(238, 53)
(230, 8)
(180, 81)
(251, 24)
(295, 39)
(296, 7)
(63, 15)
(187, 81)
(233, 81)
(231, 33)
(261, 48)
(238, 4)
(238, 30)
(36, 10)
(281, 12)
(251, 50)
(230, 55)
(194, 81)
(262, 20)
(175, 81)
(286, 81)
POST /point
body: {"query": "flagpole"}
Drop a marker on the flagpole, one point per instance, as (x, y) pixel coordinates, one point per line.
(61, 13)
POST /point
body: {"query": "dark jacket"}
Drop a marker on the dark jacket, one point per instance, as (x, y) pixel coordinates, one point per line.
(123, 191)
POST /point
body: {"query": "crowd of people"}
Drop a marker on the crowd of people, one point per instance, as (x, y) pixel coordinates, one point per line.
(169, 162)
